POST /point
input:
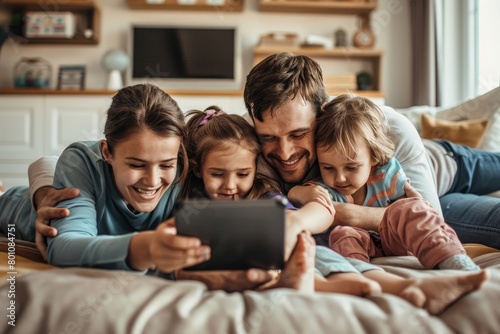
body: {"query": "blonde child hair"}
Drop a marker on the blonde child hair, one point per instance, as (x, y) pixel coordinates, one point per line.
(348, 117)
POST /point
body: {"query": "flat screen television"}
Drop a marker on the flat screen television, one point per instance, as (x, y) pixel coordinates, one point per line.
(184, 57)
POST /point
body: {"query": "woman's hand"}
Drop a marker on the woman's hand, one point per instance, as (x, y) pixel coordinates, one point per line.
(165, 250)
(170, 251)
(45, 200)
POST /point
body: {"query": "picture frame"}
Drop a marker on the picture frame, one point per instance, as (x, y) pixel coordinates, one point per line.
(71, 77)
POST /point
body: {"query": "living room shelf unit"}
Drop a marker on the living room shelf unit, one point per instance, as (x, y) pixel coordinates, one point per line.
(87, 14)
(39, 91)
(189, 5)
(372, 56)
(358, 7)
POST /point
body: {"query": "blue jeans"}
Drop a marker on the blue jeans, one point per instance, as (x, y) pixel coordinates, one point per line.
(475, 218)
(478, 170)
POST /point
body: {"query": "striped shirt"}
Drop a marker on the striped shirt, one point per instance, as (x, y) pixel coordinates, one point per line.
(385, 185)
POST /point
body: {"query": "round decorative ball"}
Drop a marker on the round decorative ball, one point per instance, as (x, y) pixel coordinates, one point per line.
(115, 60)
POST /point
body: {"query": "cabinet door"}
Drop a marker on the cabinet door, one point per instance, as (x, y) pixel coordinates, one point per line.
(73, 118)
(21, 137)
(21, 127)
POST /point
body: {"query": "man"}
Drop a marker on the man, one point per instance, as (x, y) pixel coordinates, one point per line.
(283, 95)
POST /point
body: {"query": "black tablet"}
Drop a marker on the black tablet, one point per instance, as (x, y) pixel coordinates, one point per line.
(242, 234)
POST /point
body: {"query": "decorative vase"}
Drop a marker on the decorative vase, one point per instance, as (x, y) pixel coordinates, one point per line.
(32, 73)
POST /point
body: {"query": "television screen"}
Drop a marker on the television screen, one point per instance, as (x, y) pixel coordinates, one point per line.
(183, 53)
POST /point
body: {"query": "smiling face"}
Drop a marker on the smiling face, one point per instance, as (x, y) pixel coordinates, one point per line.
(287, 139)
(144, 166)
(229, 174)
(347, 175)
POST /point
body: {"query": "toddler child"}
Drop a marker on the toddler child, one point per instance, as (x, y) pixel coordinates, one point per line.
(357, 165)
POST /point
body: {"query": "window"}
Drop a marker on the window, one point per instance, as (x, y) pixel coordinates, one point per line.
(488, 46)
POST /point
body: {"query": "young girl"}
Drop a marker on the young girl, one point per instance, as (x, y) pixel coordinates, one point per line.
(223, 151)
(357, 166)
(128, 185)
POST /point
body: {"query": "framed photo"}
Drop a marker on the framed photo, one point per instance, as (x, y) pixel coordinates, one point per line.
(71, 77)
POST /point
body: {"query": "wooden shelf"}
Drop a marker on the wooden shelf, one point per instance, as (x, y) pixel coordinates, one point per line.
(358, 7)
(36, 91)
(193, 5)
(373, 56)
(365, 93)
(316, 51)
(87, 14)
(51, 6)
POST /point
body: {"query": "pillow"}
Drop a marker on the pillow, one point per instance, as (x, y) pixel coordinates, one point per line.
(468, 132)
(483, 106)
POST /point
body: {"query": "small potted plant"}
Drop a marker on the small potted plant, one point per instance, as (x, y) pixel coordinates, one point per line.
(364, 80)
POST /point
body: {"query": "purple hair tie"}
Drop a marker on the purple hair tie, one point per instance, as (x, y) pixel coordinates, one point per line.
(209, 114)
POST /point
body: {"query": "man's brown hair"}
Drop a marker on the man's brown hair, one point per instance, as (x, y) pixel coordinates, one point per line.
(280, 78)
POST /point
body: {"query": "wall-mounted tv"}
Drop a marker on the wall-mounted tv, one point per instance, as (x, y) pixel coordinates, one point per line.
(184, 57)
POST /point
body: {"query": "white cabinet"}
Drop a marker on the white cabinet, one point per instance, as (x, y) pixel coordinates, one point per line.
(32, 126)
(36, 125)
(70, 119)
(21, 133)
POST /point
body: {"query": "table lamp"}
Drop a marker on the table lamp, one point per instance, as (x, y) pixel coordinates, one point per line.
(115, 61)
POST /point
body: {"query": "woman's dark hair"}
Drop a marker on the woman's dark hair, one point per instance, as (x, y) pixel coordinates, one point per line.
(145, 106)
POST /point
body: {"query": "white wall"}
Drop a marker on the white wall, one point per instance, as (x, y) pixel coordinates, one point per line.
(390, 22)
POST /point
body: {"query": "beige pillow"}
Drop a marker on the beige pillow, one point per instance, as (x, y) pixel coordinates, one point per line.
(468, 132)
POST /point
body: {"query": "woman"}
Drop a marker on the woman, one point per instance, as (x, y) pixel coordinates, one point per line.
(128, 185)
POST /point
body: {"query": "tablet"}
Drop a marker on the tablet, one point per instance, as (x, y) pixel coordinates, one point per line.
(242, 234)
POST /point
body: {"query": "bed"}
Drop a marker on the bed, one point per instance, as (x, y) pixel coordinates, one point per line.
(77, 300)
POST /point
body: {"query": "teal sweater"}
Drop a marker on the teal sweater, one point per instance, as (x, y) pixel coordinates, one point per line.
(97, 233)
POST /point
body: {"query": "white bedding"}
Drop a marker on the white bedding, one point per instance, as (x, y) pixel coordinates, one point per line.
(104, 301)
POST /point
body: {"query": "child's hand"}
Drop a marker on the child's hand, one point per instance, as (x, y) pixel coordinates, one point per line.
(301, 195)
(170, 251)
(294, 225)
(410, 191)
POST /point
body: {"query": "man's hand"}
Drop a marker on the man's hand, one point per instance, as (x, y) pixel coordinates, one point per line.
(365, 217)
(45, 200)
(229, 281)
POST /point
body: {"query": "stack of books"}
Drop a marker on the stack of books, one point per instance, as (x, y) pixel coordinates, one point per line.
(343, 82)
(279, 39)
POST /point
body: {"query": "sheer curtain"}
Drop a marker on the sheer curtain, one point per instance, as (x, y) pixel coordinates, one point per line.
(443, 49)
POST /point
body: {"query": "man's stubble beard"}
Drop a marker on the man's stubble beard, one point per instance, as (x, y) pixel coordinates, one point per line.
(295, 176)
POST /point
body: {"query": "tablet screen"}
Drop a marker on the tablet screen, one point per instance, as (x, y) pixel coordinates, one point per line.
(242, 234)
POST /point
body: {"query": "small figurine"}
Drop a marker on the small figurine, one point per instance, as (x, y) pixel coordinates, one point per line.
(340, 38)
